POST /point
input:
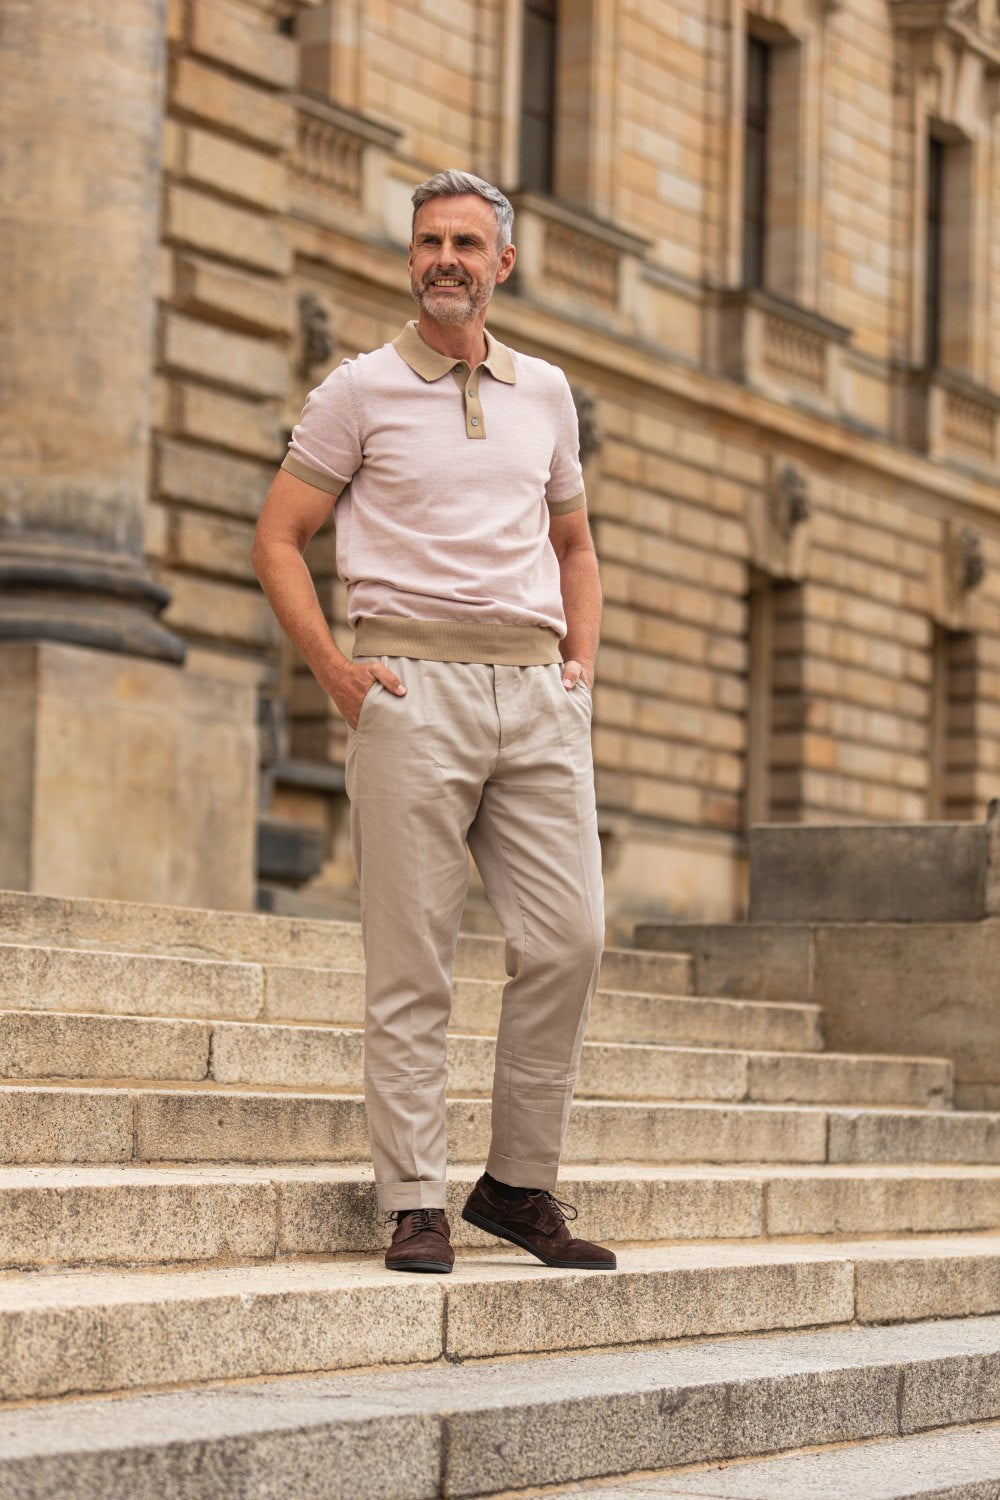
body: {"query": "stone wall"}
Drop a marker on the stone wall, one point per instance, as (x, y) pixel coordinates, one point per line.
(792, 517)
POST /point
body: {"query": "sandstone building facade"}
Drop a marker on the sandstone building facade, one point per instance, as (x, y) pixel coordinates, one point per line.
(761, 237)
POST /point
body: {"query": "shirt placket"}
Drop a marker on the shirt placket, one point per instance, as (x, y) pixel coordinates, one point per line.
(470, 384)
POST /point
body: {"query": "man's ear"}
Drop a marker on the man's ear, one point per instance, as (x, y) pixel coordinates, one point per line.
(506, 263)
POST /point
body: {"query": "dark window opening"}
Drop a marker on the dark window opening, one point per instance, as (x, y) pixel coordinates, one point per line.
(934, 275)
(755, 150)
(538, 95)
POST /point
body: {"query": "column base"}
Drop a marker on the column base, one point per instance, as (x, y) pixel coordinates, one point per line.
(125, 779)
(51, 593)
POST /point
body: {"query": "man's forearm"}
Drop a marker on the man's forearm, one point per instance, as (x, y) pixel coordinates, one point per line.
(287, 582)
(580, 585)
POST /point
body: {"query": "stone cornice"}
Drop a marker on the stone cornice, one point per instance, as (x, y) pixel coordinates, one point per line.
(802, 317)
(571, 217)
(962, 19)
(372, 132)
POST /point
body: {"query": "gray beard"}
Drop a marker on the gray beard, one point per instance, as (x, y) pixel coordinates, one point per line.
(449, 309)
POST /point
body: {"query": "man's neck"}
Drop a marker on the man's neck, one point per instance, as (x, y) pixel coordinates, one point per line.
(458, 340)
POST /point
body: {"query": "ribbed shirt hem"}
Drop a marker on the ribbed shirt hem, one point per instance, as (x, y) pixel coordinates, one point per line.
(457, 640)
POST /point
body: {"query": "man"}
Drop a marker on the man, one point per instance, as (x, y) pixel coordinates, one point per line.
(472, 582)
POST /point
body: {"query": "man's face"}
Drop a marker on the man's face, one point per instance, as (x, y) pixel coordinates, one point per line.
(454, 263)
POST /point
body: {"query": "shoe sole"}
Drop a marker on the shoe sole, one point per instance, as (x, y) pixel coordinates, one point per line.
(523, 1244)
(420, 1265)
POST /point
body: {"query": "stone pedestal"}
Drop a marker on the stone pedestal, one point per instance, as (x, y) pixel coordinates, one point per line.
(125, 778)
(894, 930)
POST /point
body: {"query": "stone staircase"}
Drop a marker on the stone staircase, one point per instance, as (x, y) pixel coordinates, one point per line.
(192, 1298)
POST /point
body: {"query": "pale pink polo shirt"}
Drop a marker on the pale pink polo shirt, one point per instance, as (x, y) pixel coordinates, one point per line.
(445, 496)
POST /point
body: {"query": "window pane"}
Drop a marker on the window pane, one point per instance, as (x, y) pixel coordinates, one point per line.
(755, 149)
(538, 95)
(933, 270)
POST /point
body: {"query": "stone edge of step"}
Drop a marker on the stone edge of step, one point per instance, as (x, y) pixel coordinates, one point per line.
(488, 1427)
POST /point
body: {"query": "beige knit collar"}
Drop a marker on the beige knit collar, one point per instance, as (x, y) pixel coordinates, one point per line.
(430, 365)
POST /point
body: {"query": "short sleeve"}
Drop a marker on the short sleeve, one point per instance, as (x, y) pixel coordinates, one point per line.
(325, 446)
(564, 491)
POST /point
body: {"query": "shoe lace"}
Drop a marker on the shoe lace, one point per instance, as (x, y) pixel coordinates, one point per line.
(397, 1215)
(568, 1210)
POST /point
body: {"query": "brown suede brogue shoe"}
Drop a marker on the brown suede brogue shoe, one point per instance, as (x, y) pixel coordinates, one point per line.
(537, 1222)
(422, 1241)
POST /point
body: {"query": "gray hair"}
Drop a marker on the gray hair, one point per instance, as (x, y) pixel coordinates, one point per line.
(455, 184)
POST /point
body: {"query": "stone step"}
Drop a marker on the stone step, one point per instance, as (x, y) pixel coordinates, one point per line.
(88, 1332)
(215, 1122)
(249, 937)
(960, 1463)
(337, 997)
(54, 1216)
(59, 1045)
(487, 1426)
(111, 983)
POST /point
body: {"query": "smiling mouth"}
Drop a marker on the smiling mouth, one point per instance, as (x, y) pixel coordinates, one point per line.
(446, 282)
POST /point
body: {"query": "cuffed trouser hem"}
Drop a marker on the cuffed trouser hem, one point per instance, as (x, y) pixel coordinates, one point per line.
(526, 1174)
(393, 1196)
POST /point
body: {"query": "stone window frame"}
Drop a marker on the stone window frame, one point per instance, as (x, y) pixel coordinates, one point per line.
(948, 84)
(585, 87)
(795, 33)
(329, 34)
(774, 337)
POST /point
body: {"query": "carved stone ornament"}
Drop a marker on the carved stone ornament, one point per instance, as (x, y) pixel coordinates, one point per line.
(586, 415)
(959, 569)
(968, 562)
(318, 342)
(777, 520)
(788, 497)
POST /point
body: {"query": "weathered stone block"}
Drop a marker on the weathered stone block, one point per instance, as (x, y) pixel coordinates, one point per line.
(236, 359)
(219, 481)
(221, 612)
(248, 1127)
(213, 544)
(916, 988)
(866, 1200)
(252, 428)
(213, 161)
(124, 983)
(64, 1125)
(488, 1318)
(86, 734)
(47, 1044)
(766, 960)
(252, 112)
(227, 293)
(52, 1216)
(224, 33)
(87, 1333)
(896, 1136)
(197, 219)
(930, 872)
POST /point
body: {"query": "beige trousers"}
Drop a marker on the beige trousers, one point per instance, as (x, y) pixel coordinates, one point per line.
(497, 760)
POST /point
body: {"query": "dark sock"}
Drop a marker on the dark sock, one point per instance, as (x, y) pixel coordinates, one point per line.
(503, 1189)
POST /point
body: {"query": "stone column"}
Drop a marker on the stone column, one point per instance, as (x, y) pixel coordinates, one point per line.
(81, 111)
(126, 774)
